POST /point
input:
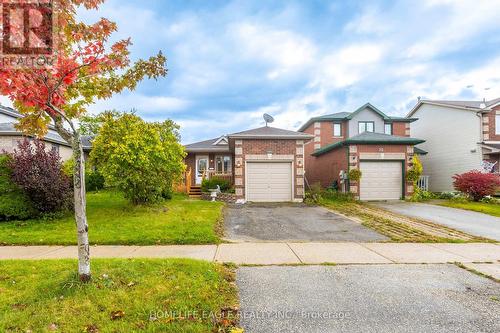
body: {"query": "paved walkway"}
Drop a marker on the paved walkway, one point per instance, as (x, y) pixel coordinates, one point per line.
(474, 223)
(482, 257)
(280, 253)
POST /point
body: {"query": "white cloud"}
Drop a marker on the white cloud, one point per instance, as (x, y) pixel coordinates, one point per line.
(368, 22)
(149, 104)
(459, 22)
(285, 50)
(348, 65)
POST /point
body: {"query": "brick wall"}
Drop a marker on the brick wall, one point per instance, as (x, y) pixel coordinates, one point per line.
(280, 149)
(325, 168)
(489, 125)
(401, 129)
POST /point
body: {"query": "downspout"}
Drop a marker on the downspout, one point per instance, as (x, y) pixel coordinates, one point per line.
(481, 136)
(480, 115)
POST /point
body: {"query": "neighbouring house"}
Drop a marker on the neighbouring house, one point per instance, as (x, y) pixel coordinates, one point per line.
(265, 164)
(366, 139)
(459, 136)
(10, 136)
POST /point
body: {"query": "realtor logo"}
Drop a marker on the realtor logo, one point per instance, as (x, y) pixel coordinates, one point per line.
(27, 33)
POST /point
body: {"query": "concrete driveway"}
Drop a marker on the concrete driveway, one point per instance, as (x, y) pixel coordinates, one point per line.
(371, 298)
(292, 222)
(474, 223)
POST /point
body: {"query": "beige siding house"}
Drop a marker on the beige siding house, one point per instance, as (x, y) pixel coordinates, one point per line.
(454, 138)
(10, 136)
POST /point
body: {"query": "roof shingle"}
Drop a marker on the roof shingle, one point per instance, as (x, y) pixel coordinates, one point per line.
(370, 138)
(270, 132)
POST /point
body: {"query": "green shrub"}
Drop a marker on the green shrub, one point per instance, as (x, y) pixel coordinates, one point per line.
(421, 195)
(316, 194)
(447, 195)
(94, 180)
(355, 174)
(209, 184)
(14, 204)
(141, 159)
(416, 171)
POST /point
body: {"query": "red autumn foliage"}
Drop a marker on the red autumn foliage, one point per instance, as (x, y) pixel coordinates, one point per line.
(477, 184)
(38, 172)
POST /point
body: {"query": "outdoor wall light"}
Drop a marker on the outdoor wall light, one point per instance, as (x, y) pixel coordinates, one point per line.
(238, 164)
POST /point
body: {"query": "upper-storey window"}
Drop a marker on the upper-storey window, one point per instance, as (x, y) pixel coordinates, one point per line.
(366, 126)
(388, 129)
(497, 124)
(337, 129)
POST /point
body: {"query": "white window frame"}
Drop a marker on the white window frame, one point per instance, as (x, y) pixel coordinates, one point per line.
(365, 125)
(339, 128)
(224, 170)
(388, 125)
(497, 124)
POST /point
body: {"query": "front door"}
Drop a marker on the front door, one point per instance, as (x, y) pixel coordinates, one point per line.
(201, 166)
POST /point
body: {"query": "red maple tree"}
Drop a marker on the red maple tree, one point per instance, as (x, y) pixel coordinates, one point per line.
(87, 67)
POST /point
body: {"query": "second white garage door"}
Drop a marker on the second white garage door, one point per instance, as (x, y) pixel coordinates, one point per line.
(381, 180)
(269, 182)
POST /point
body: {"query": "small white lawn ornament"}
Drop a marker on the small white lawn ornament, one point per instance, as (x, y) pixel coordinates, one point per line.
(488, 166)
(214, 192)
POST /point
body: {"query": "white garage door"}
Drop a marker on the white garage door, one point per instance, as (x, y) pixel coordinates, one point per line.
(267, 182)
(381, 181)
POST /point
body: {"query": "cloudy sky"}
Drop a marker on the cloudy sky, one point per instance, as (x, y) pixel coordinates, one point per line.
(231, 61)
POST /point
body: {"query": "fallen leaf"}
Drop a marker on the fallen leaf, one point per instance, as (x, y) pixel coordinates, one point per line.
(117, 314)
(53, 327)
(91, 329)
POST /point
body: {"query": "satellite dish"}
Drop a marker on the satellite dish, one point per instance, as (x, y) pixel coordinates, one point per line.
(268, 118)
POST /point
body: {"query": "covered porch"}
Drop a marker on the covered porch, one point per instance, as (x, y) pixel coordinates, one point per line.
(207, 160)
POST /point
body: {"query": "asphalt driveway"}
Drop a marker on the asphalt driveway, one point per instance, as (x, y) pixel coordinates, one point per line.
(370, 298)
(292, 222)
(474, 223)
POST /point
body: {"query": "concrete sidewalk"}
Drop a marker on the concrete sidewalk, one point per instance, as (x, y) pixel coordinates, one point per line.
(280, 253)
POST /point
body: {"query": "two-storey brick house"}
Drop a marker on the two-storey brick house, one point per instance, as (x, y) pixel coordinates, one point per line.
(366, 139)
(459, 136)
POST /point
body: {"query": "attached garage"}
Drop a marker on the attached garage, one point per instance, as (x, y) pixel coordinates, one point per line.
(269, 181)
(381, 180)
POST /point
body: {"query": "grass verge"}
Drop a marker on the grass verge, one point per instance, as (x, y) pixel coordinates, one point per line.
(492, 209)
(460, 265)
(113, 220)
(386, 223)
(153, 295)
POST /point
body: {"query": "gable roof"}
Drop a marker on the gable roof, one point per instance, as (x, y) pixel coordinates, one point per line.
(463, 105)
(212, 145)
(9, 112)
(369, 138)
(268, 132)
(10, 129)
(341, 116)
(369, 106)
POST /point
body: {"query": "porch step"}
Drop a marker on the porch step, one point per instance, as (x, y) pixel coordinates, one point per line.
(195, 192)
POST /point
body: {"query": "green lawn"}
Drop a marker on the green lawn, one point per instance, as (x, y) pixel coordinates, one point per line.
(482, 207)
(124, 296)
(112, 220)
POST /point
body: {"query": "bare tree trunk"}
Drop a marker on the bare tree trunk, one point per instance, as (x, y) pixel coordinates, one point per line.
(80, 209)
